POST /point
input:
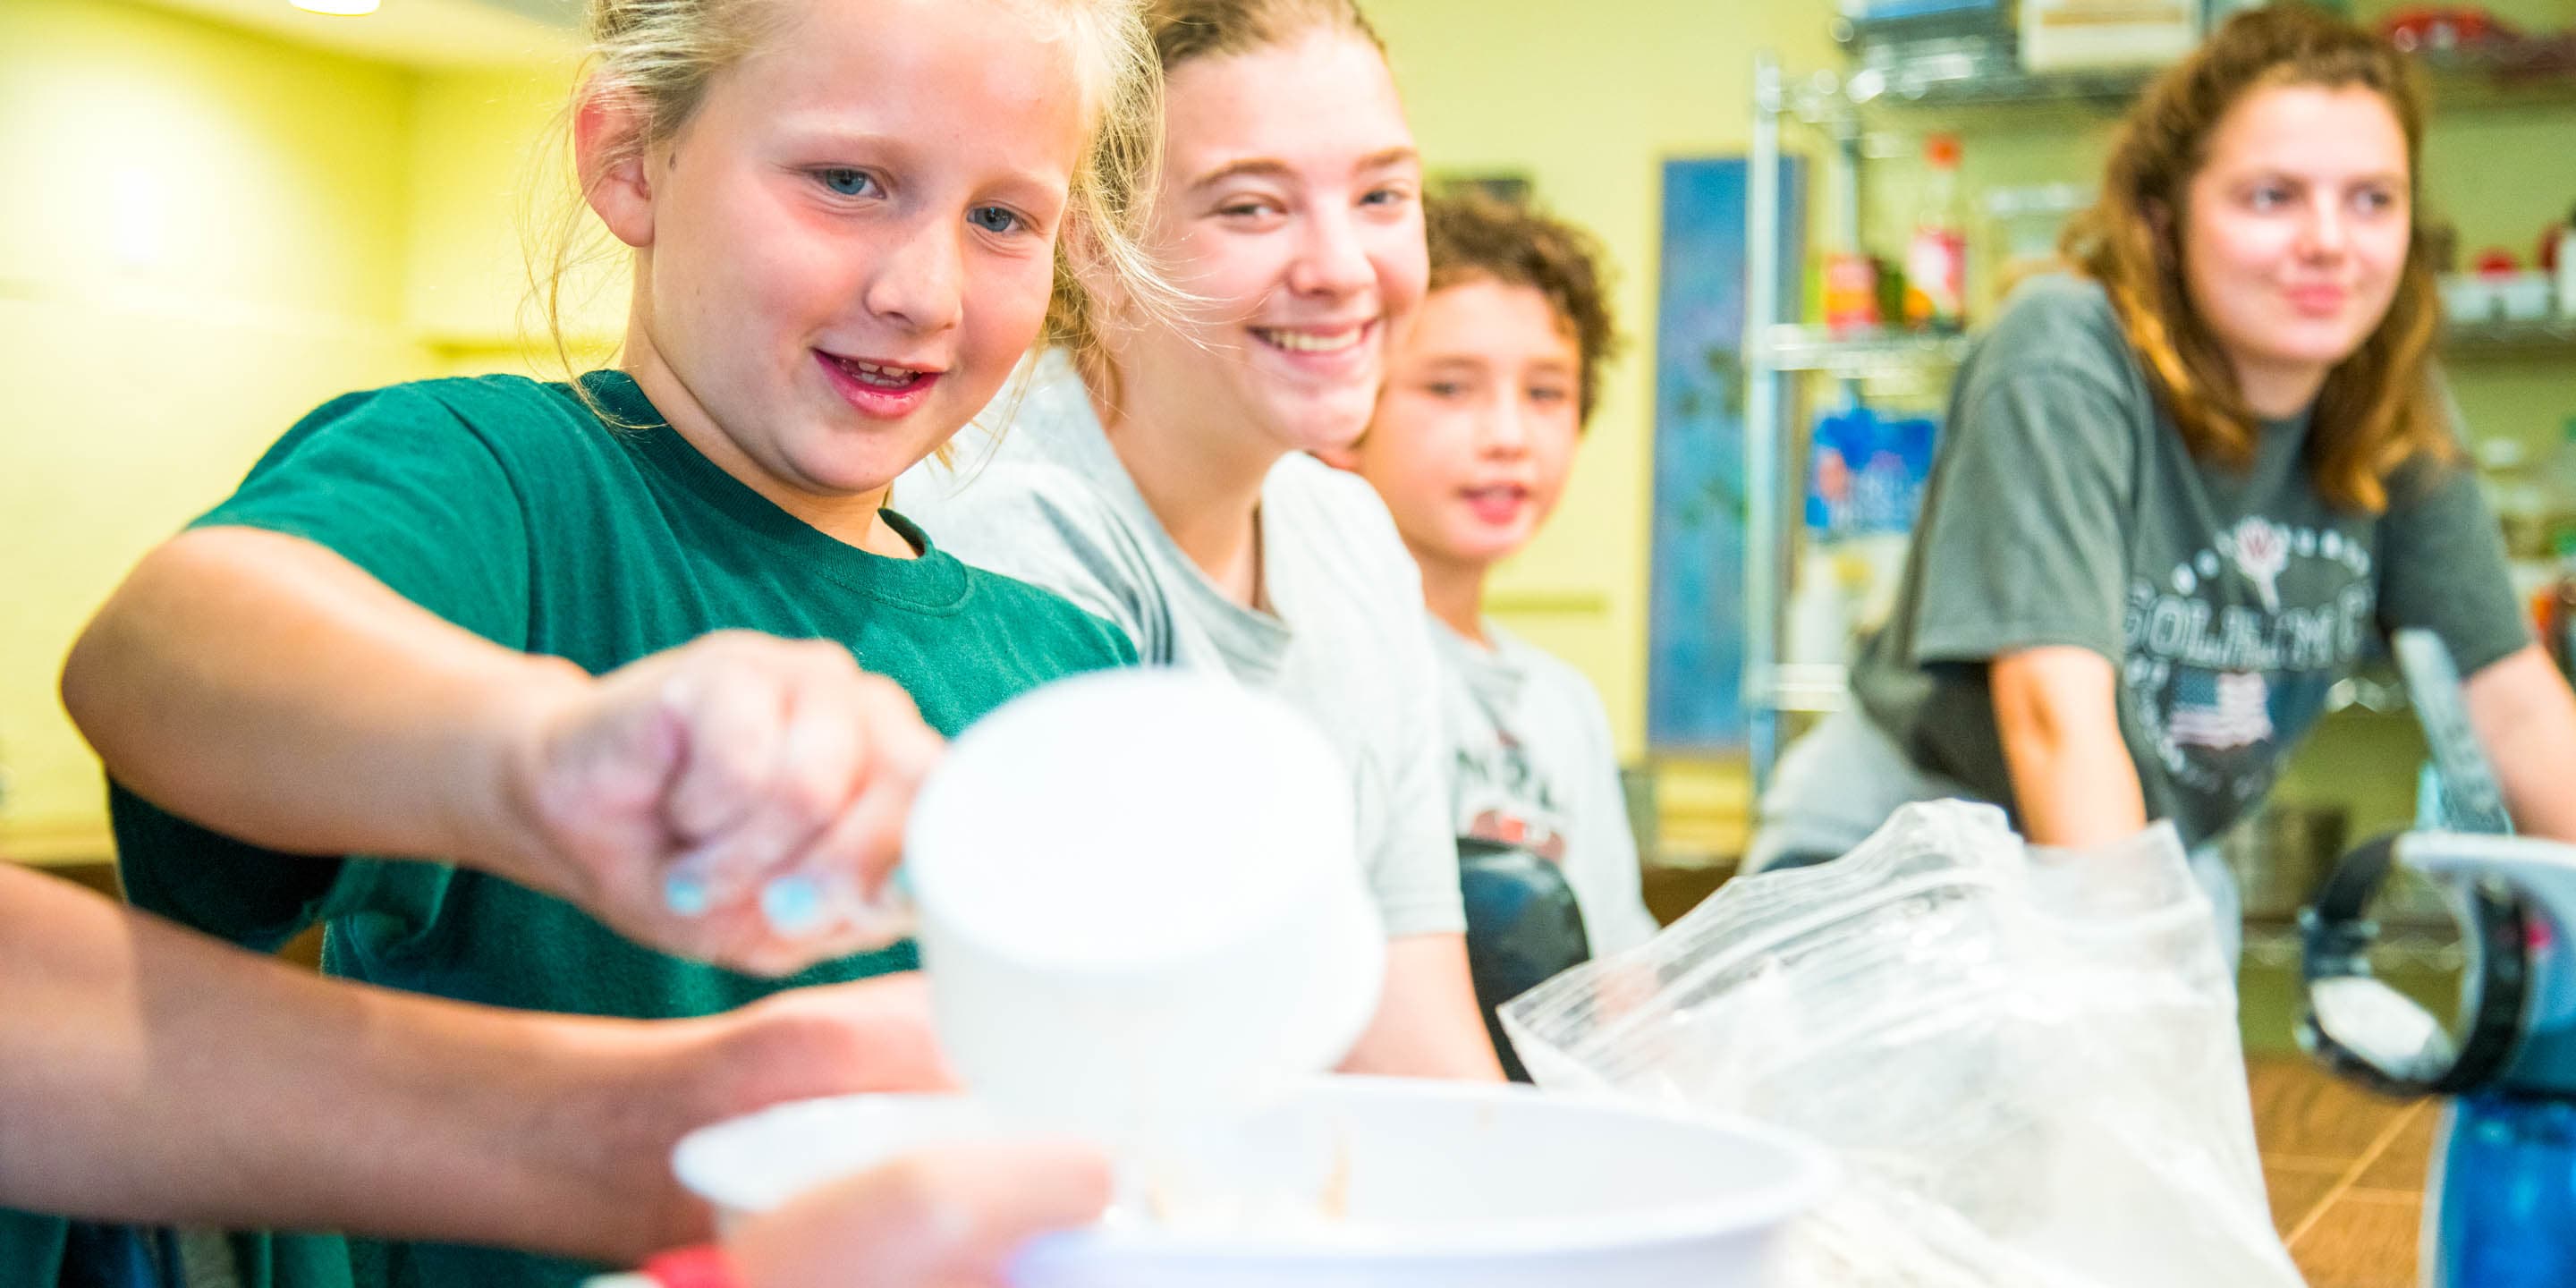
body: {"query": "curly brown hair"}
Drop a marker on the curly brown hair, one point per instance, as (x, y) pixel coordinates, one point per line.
(1477, 238)
(2378, 408)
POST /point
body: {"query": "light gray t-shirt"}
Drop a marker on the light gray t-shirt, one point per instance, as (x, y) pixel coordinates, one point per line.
(2064, 509)
(1531, 766)
(1343, 640)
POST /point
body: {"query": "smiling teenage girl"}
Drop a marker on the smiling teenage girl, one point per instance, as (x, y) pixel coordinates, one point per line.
(648, 642)
(2178, 494)
(1158, 474)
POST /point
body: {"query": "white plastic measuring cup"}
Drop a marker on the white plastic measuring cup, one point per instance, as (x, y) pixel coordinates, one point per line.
(1140, 905)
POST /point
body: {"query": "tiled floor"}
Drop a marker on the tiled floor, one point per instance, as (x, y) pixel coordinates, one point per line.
(2346, 1173)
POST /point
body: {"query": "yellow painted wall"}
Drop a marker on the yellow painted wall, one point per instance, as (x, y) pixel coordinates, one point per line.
(493, 172)
(207, 232)
(200, 238)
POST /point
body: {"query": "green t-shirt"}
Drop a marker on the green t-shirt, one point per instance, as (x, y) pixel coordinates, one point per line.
(2064, 509)
(507, 507)
(31, 1249)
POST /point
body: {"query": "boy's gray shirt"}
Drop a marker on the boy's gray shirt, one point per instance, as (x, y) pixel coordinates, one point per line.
(1532, 766)
(2064, 509)
(1344, 640)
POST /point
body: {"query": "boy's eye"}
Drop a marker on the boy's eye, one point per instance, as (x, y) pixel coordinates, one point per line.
(1445, 389)
(846, 182)
(995, 219)
(2375, 200)
(1548, 394)
(2270, 196)
(1387, 196)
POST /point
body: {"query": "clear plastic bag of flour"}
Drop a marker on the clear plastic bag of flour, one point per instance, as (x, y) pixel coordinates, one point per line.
(2026, 1059)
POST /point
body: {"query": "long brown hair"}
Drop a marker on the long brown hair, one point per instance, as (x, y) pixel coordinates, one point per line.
(2377, 408)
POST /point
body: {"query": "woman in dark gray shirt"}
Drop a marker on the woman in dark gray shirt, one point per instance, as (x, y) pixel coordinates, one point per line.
(2180, 491)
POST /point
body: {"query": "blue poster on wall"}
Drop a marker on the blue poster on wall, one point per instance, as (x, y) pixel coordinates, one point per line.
(1695, 615)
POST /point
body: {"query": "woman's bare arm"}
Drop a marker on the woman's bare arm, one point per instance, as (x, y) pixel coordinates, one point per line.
(2057, 709)
(1428, 1024)
(2526, 719)
(157, 1076)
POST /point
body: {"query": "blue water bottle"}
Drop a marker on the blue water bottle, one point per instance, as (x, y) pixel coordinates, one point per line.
(2502, 1207)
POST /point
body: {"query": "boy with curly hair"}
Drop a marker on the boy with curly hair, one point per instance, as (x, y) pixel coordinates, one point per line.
(1471, 446)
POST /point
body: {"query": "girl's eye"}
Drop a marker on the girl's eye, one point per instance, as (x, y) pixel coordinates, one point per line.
(2268, 197)
(995, 219)
(1547, 394)
(1386, 197)
(1445, 389)
(2376, 200)
(1245, 209)
(846, 182)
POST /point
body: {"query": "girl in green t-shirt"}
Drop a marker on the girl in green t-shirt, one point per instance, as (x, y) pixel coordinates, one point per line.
(364, 650)
(546, 696)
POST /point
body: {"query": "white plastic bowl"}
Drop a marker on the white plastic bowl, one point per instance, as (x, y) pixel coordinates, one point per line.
(1437, 1185)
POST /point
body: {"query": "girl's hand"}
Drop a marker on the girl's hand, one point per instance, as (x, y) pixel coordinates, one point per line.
(739, 799)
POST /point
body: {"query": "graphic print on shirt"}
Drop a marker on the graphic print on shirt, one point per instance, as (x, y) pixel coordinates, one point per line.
(2220, 710)
(2261, 549)
(2231, 652)
(1503, 798)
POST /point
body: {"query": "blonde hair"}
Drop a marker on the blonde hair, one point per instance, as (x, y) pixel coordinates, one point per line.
(659, 56)
(2378, 408)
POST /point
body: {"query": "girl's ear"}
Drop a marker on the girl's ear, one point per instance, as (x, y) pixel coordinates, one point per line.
(606, 127)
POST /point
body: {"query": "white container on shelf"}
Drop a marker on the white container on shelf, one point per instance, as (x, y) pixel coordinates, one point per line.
(1820, 618)
(2065, 35)
(2521, 297)
(2467, 299)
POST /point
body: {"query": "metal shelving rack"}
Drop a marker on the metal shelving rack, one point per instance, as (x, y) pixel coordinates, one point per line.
(1963, 81)
(1776, 350)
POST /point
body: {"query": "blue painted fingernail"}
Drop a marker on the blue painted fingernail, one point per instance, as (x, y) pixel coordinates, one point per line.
(793, 904)
(685, 893)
